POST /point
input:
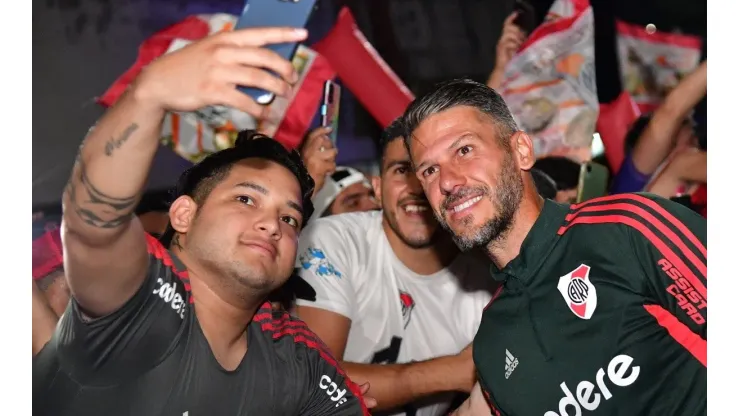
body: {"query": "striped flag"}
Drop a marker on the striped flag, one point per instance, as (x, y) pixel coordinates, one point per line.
(550, 84)
(652, 62)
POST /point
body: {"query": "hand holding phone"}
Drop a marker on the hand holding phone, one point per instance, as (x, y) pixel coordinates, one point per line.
(330, 109)
(274, 13)
(178, 81)
(319, 155)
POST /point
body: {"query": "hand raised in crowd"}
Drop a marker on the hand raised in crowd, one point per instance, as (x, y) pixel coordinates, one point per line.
(319, 155)
(512, 37)
(207, 72)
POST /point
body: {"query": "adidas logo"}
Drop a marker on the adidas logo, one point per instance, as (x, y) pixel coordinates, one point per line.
(511, 363)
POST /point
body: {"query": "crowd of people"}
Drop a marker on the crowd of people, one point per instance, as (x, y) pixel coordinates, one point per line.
(463, 279)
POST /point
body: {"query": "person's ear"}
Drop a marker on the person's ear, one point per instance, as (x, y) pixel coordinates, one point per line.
(182, 213)
(376, 181)
(523, 148)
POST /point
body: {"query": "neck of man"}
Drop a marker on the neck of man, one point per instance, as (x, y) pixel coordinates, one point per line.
(425, 260)
(224, 311)
(507, 246)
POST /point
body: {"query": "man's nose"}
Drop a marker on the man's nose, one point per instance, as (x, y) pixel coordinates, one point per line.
(270, 226)
(450, 180)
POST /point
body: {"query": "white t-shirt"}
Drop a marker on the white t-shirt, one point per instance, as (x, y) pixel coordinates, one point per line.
(398, 316)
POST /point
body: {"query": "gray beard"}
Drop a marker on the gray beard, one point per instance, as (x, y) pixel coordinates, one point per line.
(507, 199)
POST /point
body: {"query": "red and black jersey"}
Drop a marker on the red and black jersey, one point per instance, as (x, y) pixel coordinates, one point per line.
(603, 312)
(151, 358)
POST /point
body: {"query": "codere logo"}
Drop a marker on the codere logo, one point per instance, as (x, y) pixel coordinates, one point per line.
(331, 388)
(617, 371)
(168, 293)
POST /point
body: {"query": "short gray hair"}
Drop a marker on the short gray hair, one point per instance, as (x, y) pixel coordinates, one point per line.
(459, 92)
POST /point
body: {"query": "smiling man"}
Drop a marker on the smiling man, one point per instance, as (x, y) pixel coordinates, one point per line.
(183, 327)
(603, 305)
(393, 296)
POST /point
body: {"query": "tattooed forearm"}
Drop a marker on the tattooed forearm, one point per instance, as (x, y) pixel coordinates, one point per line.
(95, 207)
(115, 143)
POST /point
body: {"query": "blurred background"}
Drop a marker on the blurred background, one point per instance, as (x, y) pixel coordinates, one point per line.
(80, 47)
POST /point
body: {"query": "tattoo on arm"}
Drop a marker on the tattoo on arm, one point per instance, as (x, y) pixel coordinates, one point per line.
(95, 207)
(92, 205)
(115, 143)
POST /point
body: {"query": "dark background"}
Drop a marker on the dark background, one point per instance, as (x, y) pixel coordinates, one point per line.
(81, 46)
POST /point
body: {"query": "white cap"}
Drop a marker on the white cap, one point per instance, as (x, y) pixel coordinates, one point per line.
(335, 183)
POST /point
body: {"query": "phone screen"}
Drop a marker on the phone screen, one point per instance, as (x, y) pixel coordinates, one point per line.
(274, 13)
(330, 109)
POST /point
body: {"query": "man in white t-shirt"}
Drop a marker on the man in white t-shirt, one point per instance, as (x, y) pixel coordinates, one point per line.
(392, 295)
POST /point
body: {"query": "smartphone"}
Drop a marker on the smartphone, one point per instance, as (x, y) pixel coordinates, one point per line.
(525, 17)
(330, 109)
(274, 13)
(593, 181)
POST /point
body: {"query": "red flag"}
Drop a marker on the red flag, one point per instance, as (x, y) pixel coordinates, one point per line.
(291, 117)
(615, 120)
(192, 28)
(363, 71)
(653, 62)
(550, 84)
(47, 254)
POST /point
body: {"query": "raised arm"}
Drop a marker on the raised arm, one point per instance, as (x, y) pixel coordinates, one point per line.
(659, 137)
(105, 251)
(511, 39)
(690, 165)
(105, 248)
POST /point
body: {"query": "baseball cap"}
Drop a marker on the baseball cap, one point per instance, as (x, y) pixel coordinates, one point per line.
(335, 183)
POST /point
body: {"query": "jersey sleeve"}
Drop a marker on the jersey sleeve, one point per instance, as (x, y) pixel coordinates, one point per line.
(134, 338)
(330, 391)
(323, 262)
(670, 246)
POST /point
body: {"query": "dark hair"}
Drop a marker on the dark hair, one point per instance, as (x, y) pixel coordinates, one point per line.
(393, 132)
(459, 92)
(155, 201)
(199, 180)
(565, 172)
